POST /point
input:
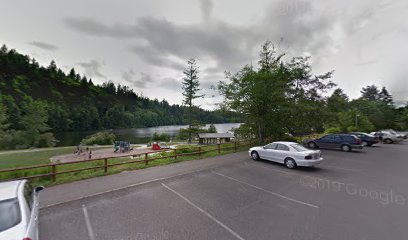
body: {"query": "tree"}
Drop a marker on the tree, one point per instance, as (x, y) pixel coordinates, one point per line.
(370, 93)
(3, 120)
(385, 96)
(337, 101)
(353, 121)
(33, 122)
(212, 129)
(278, 98)
(190, 90)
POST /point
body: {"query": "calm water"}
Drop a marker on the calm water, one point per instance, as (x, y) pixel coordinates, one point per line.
(134, 135)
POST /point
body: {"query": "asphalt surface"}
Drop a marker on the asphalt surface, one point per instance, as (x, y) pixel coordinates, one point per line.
(358, 195)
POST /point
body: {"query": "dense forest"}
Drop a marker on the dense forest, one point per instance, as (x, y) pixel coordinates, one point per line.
(35, 100)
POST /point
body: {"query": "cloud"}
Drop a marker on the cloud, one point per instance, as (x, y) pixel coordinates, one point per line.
(141, 82)
(170, 84)
(95, 28)
(167, 44)
(206, 7)
(44, 45)
(366, 63)
(92, 68)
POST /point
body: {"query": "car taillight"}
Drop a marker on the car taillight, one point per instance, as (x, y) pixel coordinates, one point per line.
(308, 157)
(27, 238)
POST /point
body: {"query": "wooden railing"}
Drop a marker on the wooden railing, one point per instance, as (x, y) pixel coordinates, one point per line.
(141, 158)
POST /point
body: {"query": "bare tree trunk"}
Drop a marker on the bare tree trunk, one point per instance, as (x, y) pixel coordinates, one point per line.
(189, 123)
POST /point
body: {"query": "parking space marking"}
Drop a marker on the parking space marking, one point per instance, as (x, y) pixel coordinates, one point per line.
(272, 169)
(204, 212)
(267, 191)
(88, 223)
(341, 168)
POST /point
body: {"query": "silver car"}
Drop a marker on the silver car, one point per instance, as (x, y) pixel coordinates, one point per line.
(19, 210)
(289, 153)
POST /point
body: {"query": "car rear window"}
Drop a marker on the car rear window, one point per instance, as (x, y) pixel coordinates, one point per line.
(10, 214)
(299, 148)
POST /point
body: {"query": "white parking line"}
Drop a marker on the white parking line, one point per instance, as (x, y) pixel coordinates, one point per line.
(272, 169)
(204, 212)
(88, 223)
(267, 191)
(341, 168)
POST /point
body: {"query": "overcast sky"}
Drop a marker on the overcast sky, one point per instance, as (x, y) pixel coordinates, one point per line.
(146, 44)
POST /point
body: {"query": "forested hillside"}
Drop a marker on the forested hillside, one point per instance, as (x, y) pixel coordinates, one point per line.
(71, 102)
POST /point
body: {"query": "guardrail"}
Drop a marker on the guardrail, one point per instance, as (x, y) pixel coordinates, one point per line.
(141, 158)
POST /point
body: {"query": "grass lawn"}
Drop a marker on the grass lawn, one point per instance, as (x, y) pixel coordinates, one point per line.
(20, 159)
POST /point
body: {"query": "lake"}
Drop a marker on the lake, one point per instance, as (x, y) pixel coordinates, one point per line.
(135, 135)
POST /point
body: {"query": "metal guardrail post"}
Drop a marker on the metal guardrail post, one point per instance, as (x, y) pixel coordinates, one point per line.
(175, 154)
(146, 157)
(219, 147)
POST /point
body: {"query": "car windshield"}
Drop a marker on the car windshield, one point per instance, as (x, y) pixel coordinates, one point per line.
(299, 148)
(9, 214)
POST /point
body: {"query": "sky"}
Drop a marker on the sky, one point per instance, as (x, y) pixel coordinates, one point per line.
(146, 44)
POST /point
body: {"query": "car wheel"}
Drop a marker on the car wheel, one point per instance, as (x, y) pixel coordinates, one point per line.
(290, 163)
(255, 156)
(346, 148)
(312, 145)
(365, 144)
(388, 141)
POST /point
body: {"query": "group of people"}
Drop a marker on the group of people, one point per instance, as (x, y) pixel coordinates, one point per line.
(122, 146)
(79, 150)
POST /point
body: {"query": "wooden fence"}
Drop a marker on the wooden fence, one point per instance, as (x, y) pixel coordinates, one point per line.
(141, 158)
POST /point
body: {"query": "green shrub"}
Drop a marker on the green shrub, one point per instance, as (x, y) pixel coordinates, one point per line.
(164, 137)
(100, 138)
(332, 130)
(46, 140)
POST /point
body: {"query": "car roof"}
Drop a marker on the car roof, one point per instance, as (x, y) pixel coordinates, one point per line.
(285, 142)
(9, 189)
(340, 134)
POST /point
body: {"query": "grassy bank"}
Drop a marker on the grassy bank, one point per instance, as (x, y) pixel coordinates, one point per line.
(33, 158)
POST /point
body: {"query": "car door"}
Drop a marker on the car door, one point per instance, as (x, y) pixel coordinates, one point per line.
(31, 199)
(281, 153)
(268, 152)
(326, 141)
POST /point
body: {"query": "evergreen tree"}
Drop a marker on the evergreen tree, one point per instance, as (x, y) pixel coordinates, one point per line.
(190, 90)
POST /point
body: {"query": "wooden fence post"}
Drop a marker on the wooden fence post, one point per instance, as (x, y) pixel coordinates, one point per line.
(235, 146)
(105, 162)
(146, 157)
(219, 147)
(199, 151)
(54, 173)
(175, 154)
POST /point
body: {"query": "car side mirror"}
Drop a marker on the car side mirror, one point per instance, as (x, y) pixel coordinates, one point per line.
(39, 189)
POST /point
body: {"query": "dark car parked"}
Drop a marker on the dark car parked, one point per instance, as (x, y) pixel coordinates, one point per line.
(345, 142)
(367, 139)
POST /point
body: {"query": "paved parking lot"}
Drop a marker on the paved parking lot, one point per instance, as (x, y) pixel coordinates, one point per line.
(358, 195)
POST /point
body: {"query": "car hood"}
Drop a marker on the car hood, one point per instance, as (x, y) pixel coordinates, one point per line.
(255, 148)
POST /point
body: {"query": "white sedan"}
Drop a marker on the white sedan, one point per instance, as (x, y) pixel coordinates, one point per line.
(19, 211)
(289, 153)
